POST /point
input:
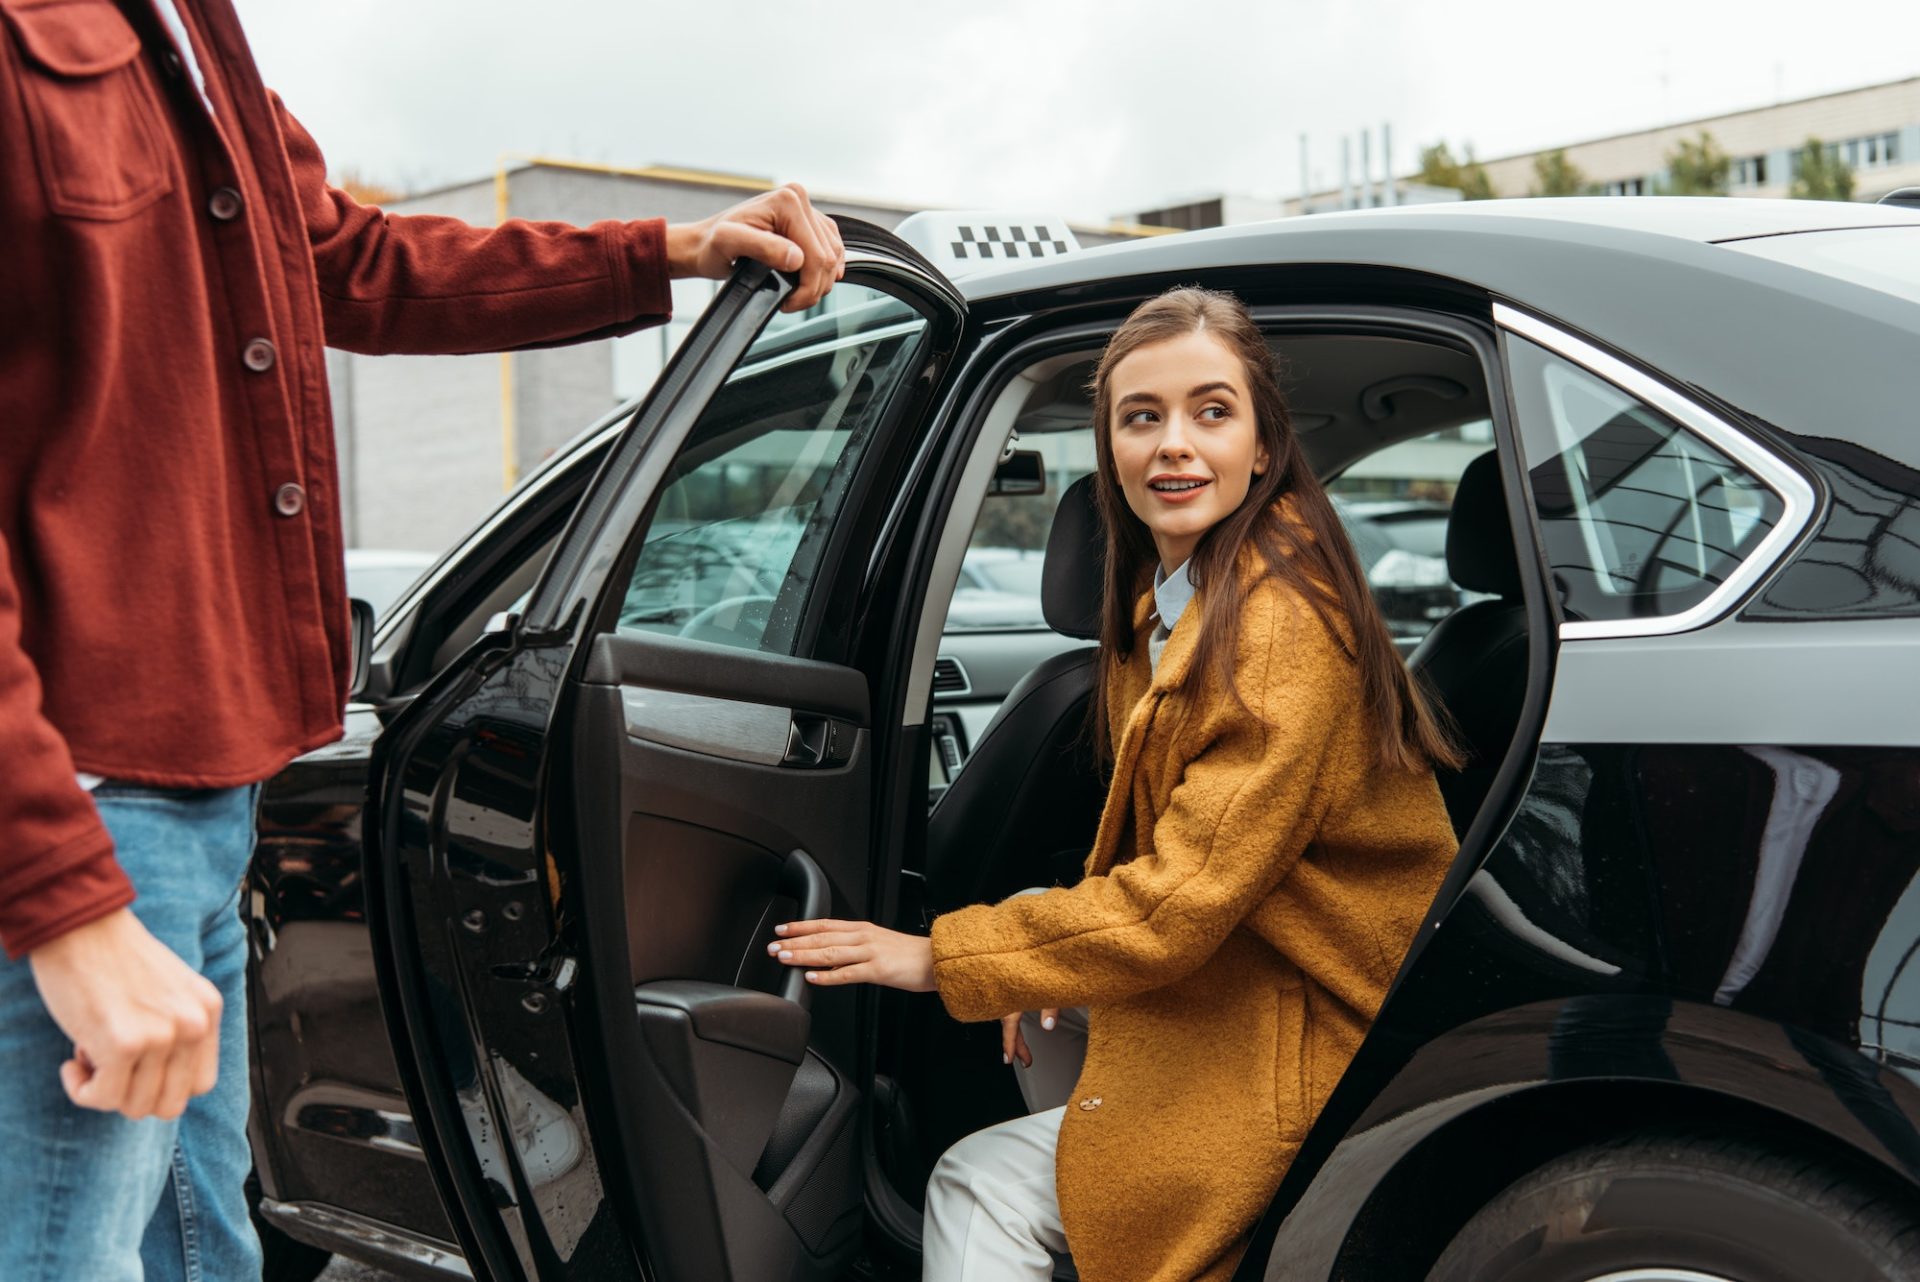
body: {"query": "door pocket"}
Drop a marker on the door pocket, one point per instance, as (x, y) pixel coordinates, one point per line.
(98, 135)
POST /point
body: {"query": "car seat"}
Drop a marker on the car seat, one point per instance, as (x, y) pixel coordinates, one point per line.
(1024, 808)
(1475, 659)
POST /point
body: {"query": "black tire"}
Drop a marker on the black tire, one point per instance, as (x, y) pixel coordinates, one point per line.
(1696, 1207)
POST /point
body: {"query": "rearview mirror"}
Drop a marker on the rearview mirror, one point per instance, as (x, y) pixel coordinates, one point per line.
(362, 647)
(1020, 472)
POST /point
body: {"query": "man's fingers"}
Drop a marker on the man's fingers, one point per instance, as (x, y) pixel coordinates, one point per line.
(105, 1088)
(177, 1082)
(142, 1097)
(734, 240)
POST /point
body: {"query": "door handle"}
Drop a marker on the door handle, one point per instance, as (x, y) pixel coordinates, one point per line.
(818, 741)
(802, 880)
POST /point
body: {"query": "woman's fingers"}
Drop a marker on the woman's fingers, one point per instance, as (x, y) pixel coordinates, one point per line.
(1049, 1016)
(795, 929)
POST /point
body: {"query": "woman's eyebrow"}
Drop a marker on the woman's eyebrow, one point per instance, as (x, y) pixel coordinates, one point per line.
(1130, 397)
(1217, 386)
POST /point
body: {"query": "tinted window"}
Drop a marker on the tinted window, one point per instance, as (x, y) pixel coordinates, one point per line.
(1640, 517)
(1882, 258)
(735, 539)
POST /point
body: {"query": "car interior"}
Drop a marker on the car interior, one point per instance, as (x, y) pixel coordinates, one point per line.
(1015, 792)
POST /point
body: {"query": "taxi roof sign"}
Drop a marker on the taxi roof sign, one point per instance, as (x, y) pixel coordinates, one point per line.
(966, 243)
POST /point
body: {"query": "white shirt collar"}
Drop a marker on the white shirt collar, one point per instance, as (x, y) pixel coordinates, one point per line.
(1171, 592)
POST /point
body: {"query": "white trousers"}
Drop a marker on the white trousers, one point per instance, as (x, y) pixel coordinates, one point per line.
(993, 1214)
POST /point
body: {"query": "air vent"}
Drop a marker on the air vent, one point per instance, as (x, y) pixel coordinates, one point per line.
(949, 677)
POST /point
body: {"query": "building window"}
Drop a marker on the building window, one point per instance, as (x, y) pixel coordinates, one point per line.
(1628, 187)
(1750, 171)
(1194, 217)
(1874, 151)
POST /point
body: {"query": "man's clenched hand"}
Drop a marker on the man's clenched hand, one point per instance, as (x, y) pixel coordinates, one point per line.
(781, 229)
(145, 1025)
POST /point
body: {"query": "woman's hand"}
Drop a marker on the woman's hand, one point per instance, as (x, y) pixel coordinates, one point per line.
(856, 952)
(1013, 1044)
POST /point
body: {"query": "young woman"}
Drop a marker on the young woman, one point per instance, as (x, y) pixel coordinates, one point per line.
(1271, 839)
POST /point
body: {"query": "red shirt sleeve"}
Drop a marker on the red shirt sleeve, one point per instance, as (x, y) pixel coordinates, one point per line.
(428, 285)
(57, 869)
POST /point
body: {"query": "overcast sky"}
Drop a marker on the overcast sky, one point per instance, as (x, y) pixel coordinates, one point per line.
(1087, 109)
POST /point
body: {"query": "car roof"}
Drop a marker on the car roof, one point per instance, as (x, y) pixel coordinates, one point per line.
(1648, 277)
(1642, 224)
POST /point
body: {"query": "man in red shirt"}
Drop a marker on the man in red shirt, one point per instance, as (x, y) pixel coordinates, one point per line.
(173, 618)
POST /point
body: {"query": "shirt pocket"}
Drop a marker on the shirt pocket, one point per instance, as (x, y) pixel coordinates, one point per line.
(98, 136)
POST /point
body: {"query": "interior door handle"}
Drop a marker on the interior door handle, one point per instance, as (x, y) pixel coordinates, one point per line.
(802, 880)
(818, 741)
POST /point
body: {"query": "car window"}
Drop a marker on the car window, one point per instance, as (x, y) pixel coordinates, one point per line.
(1640, 517)
(1395, 504)
(735, 539)
(999, 585)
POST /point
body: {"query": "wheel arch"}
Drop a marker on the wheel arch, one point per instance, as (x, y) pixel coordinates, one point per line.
(1480, 1106)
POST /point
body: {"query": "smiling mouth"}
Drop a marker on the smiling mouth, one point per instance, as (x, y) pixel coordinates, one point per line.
(1175, 486)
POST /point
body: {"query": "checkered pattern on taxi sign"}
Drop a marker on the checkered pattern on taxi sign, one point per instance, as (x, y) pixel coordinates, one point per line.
(1037, 243)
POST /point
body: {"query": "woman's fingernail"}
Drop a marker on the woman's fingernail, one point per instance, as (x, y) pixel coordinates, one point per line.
(773, 947)
(786, 954)
(1047, 1023)
(779, 930)
(811, 976)
(1005, 1058)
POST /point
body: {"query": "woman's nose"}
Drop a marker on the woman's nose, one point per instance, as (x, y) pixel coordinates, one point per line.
(1173, 440)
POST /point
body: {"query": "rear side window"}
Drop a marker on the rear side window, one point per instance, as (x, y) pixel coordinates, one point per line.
(1641, 518)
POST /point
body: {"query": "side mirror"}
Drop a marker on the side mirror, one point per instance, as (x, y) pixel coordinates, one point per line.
(1020, 472)
(362, 647)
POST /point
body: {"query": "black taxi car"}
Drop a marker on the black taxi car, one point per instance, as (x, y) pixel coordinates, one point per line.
(511, 1013)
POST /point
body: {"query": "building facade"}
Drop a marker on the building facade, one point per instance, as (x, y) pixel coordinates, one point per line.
(1875, 130)
(428, 444)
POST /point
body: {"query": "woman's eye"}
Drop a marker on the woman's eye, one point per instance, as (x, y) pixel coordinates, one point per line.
(1136, 417)
(1219, 411)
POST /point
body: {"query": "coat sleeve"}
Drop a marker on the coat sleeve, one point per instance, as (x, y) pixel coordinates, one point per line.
(1249, 800)
(57, 869)
(428, 285)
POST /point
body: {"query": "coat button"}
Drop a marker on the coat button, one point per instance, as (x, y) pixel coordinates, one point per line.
(258, 356)
(171, 61)
(224, 204)
(289, 500)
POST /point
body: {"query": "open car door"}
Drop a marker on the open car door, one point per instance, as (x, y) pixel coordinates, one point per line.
(583, 831)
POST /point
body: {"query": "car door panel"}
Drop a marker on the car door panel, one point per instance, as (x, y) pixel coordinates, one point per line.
(588, 826)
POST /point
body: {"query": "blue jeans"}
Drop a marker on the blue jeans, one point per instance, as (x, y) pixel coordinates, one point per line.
(92, 1195)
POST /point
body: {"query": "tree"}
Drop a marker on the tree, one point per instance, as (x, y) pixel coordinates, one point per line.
(1438, 168)
(1697, 167)
(1555, 175)
(1820, 174)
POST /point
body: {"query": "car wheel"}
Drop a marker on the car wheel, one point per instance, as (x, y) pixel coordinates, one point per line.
(282, 1258)
(1686, 1208)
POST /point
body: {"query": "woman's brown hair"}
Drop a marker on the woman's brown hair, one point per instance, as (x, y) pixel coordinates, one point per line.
(1305, 546)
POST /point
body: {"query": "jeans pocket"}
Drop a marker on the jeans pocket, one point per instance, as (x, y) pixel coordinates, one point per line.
(98, 133)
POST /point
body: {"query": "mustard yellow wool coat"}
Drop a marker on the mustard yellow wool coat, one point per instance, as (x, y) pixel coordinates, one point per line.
(1253, 888)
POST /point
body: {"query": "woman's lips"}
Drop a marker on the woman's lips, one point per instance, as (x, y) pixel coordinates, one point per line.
(1178, 496)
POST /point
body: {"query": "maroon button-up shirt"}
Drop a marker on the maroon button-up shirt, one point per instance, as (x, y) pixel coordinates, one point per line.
(172, 599)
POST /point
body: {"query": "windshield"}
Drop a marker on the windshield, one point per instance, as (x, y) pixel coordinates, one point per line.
(1882, 258)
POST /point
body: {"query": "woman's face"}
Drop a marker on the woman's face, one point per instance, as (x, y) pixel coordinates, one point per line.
(1184, 439)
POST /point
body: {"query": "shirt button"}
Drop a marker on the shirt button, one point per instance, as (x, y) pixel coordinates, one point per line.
(258, 356)
(289, 500)
(224, 204)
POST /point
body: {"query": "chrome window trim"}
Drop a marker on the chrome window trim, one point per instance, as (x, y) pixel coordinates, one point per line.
(1797, 497)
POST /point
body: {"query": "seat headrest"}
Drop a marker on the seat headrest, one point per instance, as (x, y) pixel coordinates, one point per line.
(1479, 534)
(1070, 576)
